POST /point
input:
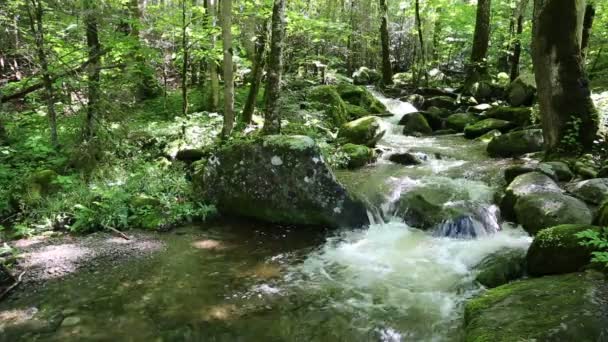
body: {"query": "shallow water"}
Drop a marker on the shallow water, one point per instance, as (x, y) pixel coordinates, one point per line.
(244, 281)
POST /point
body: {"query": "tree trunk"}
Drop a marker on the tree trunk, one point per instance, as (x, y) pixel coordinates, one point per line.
(387, 70)
(90, 19)
(35, 13)
(184, 75)
(272, 122)
(3, 135)
(477, 70)
(228, 72)
(214, 88)
(517, 44)
(569, 118)
(256, 73)
(587, 25)
(422, 69)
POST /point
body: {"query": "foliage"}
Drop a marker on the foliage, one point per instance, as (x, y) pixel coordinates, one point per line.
(598, 241)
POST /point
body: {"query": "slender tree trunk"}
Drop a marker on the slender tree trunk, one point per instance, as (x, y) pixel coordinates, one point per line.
(422, 69)
(523, 4)
(587, 25)
(36, 12)
(387, 70)
(3, 135)
(563, 89)
(228, 71)
(90, 18)
(213, 73)
(477, 70)
(350, 59)
(256, 73)
(272, 122)
(185, 60)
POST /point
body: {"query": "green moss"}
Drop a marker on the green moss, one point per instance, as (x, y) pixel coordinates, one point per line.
(364, 131)
(514, 144)
(358, 155)
(415, 123)
(538, 211)
(459, 121)
(326, 98)
(501, 267)
(601, 218)
(360, 96)
(356, 112)
(522, 116)
(484, 126)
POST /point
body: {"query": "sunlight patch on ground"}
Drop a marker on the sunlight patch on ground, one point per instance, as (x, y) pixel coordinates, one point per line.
(209, 244)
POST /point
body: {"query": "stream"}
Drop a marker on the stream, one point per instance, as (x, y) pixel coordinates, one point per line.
(244, 281)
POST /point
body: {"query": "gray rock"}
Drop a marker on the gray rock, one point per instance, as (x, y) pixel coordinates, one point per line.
(522, 185)
(538, 211)
(593, 191)
(516, 143)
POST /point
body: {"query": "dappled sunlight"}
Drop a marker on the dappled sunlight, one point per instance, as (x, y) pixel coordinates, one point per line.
(209, 244)
(221, 312)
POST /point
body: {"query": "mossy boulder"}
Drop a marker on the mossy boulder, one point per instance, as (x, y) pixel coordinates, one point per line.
(562, 170)
(569, 307)
(145, 212)
(327, 99)
(522, 90)
(516, 143)
(358, 155)
(278, 179)
(360, 96)
(522, 185)
(520, 116)
(445, 102)
(405, 158)
(434, 119)
(364, 131)
(601, 217)
(482, 91)
(415, 123)
(355, 112)
(512, 172)
(459, 121)
(365, 76)
(539, 211)
(557, 250)
(593, 191)
(501, 267)
(487, 137)
(484, 126)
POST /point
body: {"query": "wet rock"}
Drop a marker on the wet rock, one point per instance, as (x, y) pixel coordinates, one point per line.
(459, 121)
(522, 185)
(513, 171)
(557, 250)
(482, 91)
(561, 170)
(365, 76)
(278, 179)
(425, 91)
(401, 79)
(70, 321)
(487, 137)
(405, 159)
(501, 267)
(538, 211)
(480, 108)
(520, 116)
(570, 307)
(445, 102)
(434, 119)
(522, 90)
(592, 191)
(484, 126)
(444, 132)
(414, 99)
(415, 123)
(365, 131)
(517, 143)
(358, 155)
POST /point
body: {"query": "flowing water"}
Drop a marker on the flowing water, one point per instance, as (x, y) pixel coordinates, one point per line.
(242, 281)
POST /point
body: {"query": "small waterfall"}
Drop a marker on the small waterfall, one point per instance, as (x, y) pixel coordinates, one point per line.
(482, 223)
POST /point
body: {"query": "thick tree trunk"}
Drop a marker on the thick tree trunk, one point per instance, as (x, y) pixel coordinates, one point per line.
(272, 122)
(387, 70)
(514, 73)
(35, 13)
(228, 71)
(256, 73)
(587, 25)
(477, 70)
(569, 118)
(90, 18)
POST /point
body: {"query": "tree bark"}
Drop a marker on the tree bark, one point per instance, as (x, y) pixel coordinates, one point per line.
(587, 25)
(272, 122)
(94, 47)
(228, 72)
(36, 13)
(185, 57)
(477, 70)
(514, 73)
(422, 69)
(256, 73)
(387, 70)
(563, 90)
(214, 88)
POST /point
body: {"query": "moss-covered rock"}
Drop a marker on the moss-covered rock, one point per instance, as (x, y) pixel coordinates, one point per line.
(358, 155)
(570, 307)
(445, 102)
(459, 121)
(501, 267)
(522, 185)
(513, 171)
(278, 179)
(522, 90)
(487, 137)
(364, 131)
(365, 76)
(601, 217)
(405, 158)
(145, 212)
(360, 96)
(561, 170)
(593, 191)
(327, 99)
(557, 250)
(482, 91)
(516, 143)
(434, 119)
(415, 123)
(538, 211)
(356, 112)
(484, 126)
(521, 116)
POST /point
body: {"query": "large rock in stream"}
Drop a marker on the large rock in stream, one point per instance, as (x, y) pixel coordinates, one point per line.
(278, 179)
(569, 307)
(366, 131)
(516, 143)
